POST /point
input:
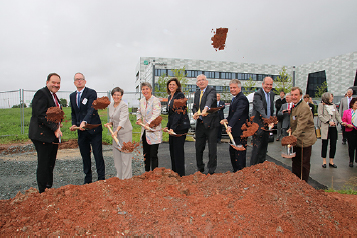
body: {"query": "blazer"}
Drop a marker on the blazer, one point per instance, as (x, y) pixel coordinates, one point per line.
(209, 99)
(177, 121)
(324, 118)
(260, 107)
(120, 117)
(278, 103)
(302, 125)
(147, 112)
(220, 112)
(347, 117)
(343, 105)
(238, 114)
(285, 116)
(85, 112)
(40, 129)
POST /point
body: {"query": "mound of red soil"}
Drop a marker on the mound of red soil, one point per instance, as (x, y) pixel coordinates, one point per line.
(262, 200)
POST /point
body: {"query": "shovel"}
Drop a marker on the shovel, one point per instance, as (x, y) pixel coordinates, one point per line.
(146, 127)
(114, 137)
(234, 145)
(173, 133)
(288, 153)
(87, 126)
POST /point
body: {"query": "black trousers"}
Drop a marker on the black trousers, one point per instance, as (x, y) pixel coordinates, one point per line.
(177, 154)
(296, 165)
(352, 145)
(260, 147)
(85, 141)
(203, 134)
(150, 154)
(238, 158)
(46, 159)
(332, 136)
(219, 133)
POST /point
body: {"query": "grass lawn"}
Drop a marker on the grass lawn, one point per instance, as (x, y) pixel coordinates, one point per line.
(10, 126)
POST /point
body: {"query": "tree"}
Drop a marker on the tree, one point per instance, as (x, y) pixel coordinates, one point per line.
(321, 90)
(160, 85)
(19, 105)
(249, 86)
(284, 82)
(63, 102)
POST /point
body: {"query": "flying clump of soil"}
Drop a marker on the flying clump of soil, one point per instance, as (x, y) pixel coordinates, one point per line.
(219, 38)
(261, 200)
(179, 105)
(54, 114)
(155, 122)
(289, 140)
(101, 103)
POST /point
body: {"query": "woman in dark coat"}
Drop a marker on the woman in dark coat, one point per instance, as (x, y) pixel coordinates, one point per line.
(178, 123)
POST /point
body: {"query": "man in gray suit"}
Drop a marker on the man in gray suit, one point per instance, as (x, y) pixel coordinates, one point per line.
(284, 113)
(263, 107)
(344, 105)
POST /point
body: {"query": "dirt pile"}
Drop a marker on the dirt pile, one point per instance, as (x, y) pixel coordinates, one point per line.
(264, 199)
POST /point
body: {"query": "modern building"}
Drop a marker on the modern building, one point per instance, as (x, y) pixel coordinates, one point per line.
(338, 72)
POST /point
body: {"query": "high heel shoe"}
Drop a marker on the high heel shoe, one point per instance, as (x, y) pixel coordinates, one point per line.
(332, 165)
(323, 165)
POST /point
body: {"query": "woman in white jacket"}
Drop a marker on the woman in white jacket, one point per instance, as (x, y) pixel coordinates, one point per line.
(119, 119)
(328, 116)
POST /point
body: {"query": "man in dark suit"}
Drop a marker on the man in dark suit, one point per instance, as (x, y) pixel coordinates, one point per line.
(263, 107)
(284, 113)
(278, 103)
(238, 115)
(207, 124)
(44, 134)
(83, 113)
(221, 116)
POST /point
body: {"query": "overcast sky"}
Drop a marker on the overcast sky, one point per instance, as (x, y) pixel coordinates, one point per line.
(104, 39)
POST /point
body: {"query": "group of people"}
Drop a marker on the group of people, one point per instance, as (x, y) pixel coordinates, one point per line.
(294, 115)
(328, 118)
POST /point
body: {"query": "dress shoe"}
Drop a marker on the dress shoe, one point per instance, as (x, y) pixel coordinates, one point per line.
(201, 170)
(343, 142)
(332, 165)
(323, 165)
(277, 139)
(351, 165)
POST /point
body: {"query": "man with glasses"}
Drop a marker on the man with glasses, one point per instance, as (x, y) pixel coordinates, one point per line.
(83, 113)
(207, 124)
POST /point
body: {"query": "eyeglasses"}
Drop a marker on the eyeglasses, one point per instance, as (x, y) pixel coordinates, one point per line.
(78, 79)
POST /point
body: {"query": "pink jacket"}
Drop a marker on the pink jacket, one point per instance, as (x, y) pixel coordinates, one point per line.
(347, 117)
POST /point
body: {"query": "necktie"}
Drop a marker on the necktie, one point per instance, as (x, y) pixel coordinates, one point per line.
(268, 105)
(232, 100)
(78, 99)
(199, 105)
(288, 106)
(56, 99)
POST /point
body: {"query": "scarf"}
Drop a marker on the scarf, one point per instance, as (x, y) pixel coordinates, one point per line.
(354, 118)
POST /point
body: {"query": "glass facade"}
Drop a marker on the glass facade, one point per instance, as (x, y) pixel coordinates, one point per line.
(315, 80)
(216, 75)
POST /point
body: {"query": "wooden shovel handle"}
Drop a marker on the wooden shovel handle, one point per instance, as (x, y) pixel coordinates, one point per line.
(111, 132)
(230, 134)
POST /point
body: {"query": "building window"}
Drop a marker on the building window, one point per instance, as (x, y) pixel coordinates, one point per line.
(160, 72)
(315, 80)
(190, 88)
